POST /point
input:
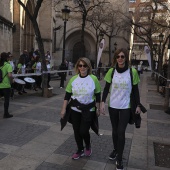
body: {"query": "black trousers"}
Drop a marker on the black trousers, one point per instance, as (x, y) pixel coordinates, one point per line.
(81, 129)
(6, 92)
(63, 76)
(119, 120)
(38, 80)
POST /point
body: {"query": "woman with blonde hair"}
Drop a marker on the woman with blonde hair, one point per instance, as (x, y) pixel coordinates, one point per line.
(83, 94)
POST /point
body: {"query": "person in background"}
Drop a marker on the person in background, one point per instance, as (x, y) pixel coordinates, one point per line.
(120, 87)
(66, 64)
(48, 69)
(70, 67)
(62, 74)
(5, 85)
(84, 91)
(139, 68)
(48, 56)
(25, 57)
(36, 53)
(37, 69)
(21, 69)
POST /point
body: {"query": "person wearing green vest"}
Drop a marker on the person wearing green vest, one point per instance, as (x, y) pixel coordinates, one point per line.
(5, 85)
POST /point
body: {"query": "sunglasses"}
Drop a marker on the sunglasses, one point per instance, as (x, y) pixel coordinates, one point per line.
(81, 65)
(120, 56)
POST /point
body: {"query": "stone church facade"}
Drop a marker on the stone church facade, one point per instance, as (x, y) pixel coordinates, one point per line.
(18, 34)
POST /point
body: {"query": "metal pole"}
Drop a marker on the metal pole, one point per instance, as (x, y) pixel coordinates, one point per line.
(159, 66)
(64, 36)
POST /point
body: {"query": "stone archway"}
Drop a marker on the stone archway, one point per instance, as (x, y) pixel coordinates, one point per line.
(74, 48)
(77, 51)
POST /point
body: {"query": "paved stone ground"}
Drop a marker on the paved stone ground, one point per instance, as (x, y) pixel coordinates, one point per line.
(32, 139)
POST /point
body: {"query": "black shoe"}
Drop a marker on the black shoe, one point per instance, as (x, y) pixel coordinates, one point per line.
(119, 165)
(20, 93)
(35, 89)
(7, 116)
(24, 91)
(113, 155)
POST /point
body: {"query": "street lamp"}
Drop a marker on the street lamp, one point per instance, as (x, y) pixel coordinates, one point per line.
(161, 36)
(65, 16)
(115, 44)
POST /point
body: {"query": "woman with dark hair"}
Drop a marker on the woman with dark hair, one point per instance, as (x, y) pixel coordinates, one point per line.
(84, 90)
(5, 85)
(118, 82)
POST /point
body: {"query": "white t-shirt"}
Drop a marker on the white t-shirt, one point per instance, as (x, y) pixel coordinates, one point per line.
(120, 90)
(12, 64)
(48, 67)
(38, 67)
(83, 89)
(139, 67)
(23, 69)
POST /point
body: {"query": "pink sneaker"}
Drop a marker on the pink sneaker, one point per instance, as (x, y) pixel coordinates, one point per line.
(88, 152)
(78, 154)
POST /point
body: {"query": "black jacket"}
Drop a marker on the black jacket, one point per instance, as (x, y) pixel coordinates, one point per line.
(85, 113)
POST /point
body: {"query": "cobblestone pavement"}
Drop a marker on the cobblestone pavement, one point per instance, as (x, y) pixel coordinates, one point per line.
(32, 139)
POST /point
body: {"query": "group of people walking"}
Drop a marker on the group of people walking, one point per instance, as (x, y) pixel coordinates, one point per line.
(83, 103)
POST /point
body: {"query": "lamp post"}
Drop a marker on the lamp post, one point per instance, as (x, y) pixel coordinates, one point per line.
(155, 46)
(65, 16)
(101, 35)
(161, 36)
(115, 44)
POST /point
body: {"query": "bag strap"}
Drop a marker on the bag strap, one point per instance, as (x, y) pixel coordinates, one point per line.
(1, 70)
(112, 74)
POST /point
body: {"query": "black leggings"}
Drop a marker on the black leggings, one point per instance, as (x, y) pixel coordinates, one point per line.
(81, 129)
(6, 93)
(119, 120)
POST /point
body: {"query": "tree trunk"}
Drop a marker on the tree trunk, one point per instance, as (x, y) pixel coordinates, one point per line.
(33, 19)
(82, 36)
(43, 62)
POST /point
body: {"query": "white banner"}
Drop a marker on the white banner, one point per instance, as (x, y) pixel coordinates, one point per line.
(147, 52)
(101, 46)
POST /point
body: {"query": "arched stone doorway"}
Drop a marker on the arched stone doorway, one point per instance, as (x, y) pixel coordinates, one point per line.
(75, 50)
(78, 48)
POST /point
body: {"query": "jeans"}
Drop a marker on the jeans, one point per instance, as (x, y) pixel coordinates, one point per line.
(6, 92)
(81, 129)
(119, 120)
